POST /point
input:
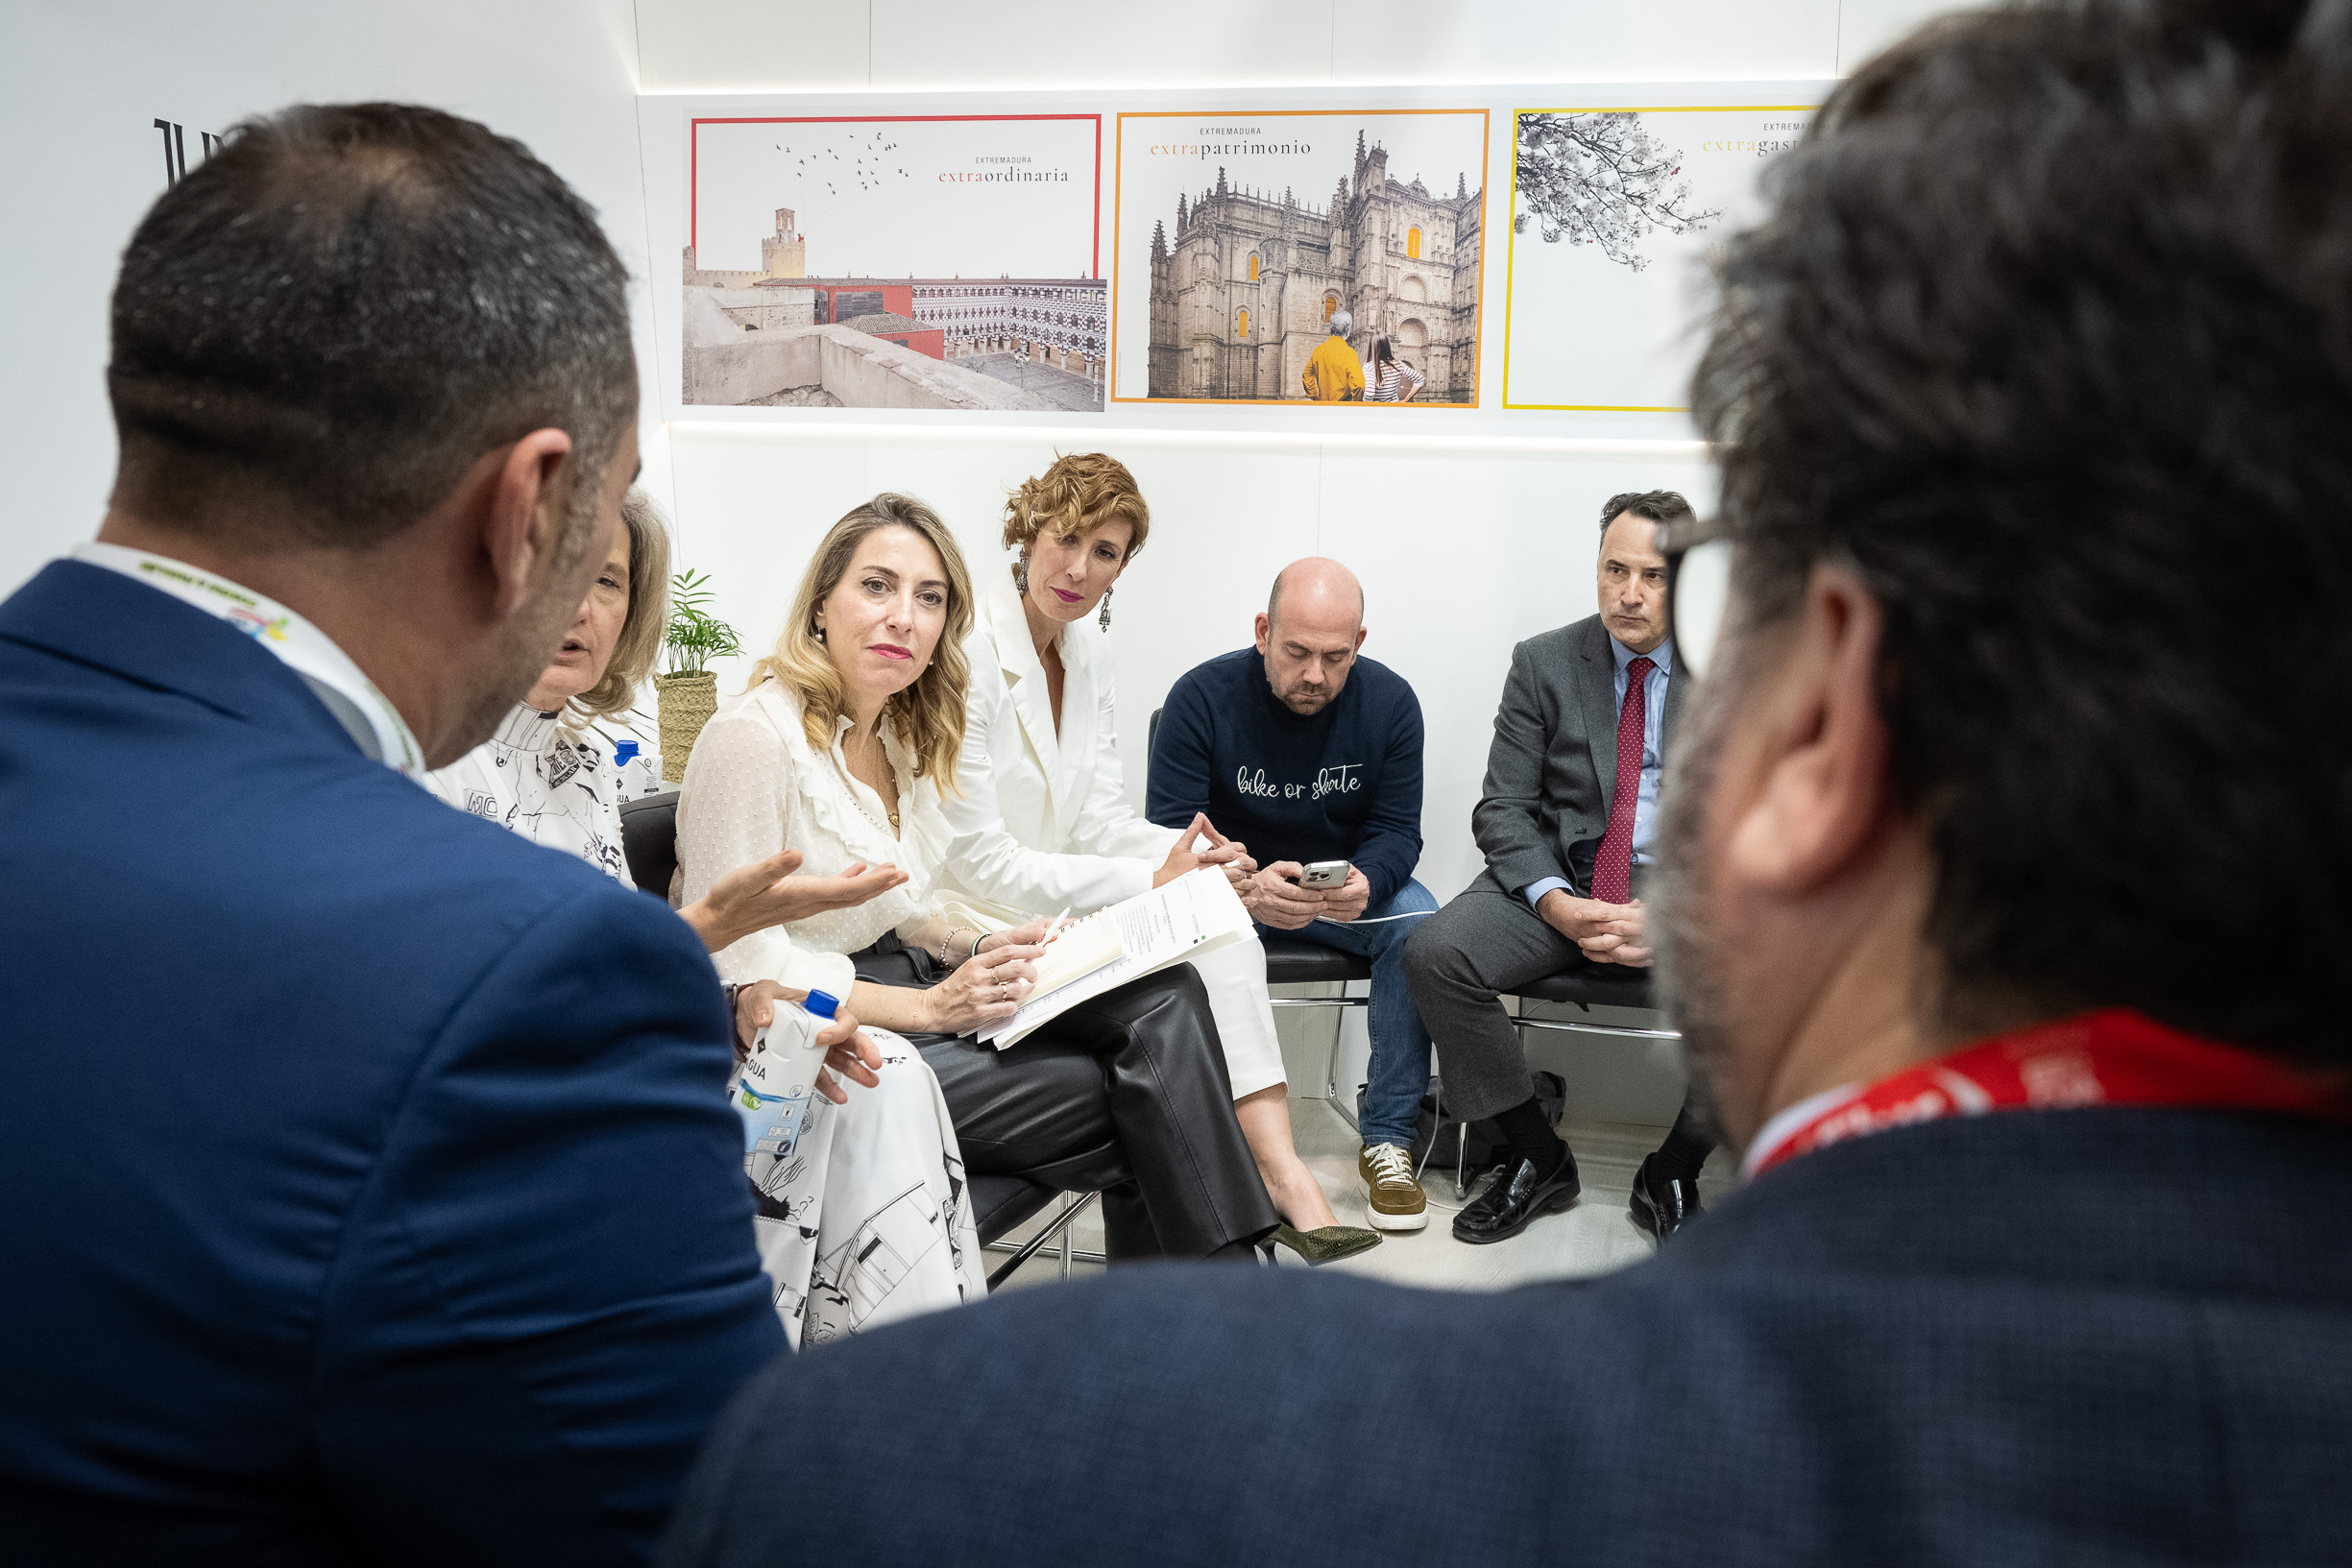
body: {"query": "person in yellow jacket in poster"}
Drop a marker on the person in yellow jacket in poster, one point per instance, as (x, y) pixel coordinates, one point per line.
(1334, 374)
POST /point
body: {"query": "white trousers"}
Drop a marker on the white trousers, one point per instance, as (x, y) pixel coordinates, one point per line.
(865, 1220)
(1235, 976)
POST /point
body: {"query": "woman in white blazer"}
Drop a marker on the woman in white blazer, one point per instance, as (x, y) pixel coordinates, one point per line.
(1042, 822)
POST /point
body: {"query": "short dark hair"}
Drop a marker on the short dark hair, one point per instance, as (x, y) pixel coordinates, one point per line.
(346, 306)
(2054, 305)
(1660, 506)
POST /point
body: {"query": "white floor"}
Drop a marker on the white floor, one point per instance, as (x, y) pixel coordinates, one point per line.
(1595, 1236)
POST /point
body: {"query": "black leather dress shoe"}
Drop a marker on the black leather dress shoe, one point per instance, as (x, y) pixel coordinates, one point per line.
(1517, 1195)
(1663, 1205)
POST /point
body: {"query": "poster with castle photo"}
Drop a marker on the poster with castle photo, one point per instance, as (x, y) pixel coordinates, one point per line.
(1613, 214)
(1244, 239)
(921, 262)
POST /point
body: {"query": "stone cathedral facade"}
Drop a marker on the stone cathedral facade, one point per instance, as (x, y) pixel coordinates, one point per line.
(1241, 293)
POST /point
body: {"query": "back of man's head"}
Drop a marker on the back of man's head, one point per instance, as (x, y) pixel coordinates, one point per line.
(2049, 340)
(319, 332)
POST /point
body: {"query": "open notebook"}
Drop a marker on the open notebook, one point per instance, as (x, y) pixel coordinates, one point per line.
(1194, 914)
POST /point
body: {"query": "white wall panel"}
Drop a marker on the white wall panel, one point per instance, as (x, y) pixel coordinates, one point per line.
(1465, 550)
(1583, 40)
(79, 87)
(928, 44)
(1867, 26)
(752, 45)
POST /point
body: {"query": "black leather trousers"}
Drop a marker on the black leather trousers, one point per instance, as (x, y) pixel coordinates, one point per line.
(1125, 1094)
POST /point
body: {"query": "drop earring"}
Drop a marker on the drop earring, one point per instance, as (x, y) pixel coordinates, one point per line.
(1105, 618)
(1019, 572)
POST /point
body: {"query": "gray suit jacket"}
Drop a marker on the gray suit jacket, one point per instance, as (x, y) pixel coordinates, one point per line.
(1554, 761)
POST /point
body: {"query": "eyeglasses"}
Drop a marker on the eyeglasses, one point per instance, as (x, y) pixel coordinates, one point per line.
(1698, 590)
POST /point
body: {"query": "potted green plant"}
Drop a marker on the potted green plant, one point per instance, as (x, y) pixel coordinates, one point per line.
(687, 691)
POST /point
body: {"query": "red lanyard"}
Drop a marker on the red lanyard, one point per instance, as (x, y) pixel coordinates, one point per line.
(2111, 1057)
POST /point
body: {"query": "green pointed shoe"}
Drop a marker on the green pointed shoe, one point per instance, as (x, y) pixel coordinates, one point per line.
(1328, 1244)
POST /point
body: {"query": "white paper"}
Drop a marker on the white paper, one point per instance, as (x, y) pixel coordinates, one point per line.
(1197, 913)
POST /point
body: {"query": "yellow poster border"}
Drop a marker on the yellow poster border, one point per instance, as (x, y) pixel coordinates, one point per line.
(1511, 254)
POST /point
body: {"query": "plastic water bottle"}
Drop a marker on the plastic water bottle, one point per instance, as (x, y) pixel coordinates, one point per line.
(773, 1093)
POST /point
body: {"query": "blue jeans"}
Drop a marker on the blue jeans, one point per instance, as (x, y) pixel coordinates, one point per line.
(1397, 1076)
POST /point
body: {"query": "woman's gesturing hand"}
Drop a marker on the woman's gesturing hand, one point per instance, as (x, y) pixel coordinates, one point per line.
(984, 989)
(765, 893)
(1230, 854)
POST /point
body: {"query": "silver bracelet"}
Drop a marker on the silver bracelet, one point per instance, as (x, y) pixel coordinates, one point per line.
(948, 940)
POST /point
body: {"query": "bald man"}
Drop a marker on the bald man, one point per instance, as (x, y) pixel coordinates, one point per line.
(1309, 753)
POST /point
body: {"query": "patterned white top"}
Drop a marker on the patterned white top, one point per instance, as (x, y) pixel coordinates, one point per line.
(548, 778)
(754, 786)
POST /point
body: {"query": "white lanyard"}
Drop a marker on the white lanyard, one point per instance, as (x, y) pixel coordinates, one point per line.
(302, 646)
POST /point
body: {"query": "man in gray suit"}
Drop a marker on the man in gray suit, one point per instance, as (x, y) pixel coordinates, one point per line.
(1567, 821)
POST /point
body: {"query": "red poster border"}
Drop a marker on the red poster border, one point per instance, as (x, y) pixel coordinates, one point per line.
(694, 156)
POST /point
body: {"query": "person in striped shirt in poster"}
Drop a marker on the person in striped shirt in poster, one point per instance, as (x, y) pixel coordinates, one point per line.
(1388, 379)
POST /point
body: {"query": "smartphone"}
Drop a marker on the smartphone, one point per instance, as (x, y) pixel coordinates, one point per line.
(1325, 875)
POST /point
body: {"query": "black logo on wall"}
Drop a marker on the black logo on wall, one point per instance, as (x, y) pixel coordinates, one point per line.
(176, 150)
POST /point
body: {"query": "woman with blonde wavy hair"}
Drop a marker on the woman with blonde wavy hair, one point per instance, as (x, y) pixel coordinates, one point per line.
(841, 749)
(1043, 821)
(548, 773)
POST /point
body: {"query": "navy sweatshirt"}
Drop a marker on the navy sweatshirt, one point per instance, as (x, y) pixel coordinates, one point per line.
(1345, 784)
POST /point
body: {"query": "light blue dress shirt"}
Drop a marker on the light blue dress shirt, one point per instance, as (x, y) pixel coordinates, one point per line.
(1653, 761)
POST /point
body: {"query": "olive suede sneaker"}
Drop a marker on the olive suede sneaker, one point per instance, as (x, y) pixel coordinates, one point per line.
(1395, 1200)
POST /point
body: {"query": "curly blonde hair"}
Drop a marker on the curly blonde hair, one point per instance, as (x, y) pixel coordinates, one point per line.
(929, 714)
(1079, 493)
(639, 643)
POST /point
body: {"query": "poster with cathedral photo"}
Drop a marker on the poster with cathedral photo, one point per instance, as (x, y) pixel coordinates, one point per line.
(1244, 238)
(921, 261)
(1613, 214)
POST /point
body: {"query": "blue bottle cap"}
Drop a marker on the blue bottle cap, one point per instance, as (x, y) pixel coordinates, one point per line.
(624, 752)
(823, 1003)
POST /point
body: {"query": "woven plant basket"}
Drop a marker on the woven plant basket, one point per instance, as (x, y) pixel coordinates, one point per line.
(687, 702)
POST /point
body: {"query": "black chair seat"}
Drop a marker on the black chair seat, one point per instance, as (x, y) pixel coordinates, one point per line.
(650, 841)
(1591, 985)
(999, 1203)
(1304, 963)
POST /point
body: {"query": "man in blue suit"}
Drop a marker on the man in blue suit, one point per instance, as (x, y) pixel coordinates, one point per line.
(370, 1187)
(2025, 726)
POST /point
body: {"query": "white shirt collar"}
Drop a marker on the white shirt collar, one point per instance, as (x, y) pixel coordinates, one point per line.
(302, 646)
(1785, 1124)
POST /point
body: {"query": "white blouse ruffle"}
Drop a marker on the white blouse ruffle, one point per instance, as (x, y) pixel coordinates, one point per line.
(754, 786)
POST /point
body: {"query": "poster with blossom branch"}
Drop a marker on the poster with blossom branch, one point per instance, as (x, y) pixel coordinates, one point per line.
(1614, 213)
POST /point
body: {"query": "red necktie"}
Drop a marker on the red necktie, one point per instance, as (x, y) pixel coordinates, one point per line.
(1612, 869)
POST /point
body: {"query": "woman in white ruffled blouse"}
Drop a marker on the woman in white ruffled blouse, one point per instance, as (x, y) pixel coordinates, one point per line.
(840, 749)
(886, 1160)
